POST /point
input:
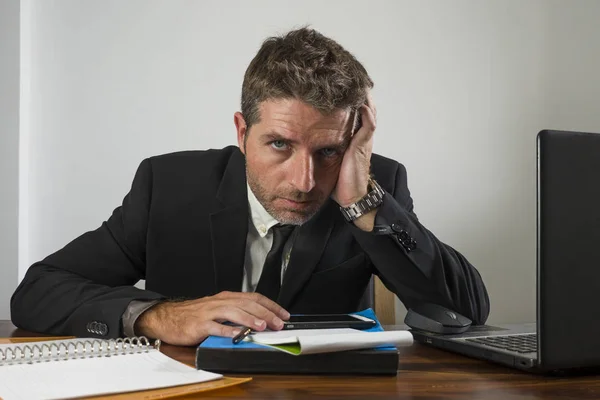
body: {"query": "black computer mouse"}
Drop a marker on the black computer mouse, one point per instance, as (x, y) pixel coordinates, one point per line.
(436, 319)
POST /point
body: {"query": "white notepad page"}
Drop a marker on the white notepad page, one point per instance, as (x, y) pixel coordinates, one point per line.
(95, 376)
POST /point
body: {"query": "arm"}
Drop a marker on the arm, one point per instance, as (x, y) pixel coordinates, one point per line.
(410, 260)
(86, 288)
(414, 264)
(91, 279)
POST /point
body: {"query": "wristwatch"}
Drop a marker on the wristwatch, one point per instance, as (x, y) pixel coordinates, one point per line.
(369, 202)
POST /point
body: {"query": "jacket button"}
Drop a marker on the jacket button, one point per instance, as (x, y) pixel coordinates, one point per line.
(404, 238)
(413, 244)
(97, 328)
(409, 244)
(401, 233)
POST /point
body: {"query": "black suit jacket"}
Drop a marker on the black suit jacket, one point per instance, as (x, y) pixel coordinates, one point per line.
(182, 227)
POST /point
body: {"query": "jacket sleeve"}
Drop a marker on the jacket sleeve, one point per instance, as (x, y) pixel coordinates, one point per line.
(84, 288)
(417, 266)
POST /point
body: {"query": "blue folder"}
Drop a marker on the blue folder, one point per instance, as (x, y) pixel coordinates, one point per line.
(218, 342)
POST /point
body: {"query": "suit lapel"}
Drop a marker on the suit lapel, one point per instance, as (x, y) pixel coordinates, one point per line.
(308, 246)
(229, 226)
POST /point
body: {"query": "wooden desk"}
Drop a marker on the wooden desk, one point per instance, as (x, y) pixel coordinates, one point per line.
(424, 373)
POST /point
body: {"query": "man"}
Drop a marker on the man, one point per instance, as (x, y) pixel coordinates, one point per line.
(296, 219)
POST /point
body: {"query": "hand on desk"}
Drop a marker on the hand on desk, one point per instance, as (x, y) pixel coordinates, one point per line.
(187, 323)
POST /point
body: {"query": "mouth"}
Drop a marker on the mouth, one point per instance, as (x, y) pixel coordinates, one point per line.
(296, 204)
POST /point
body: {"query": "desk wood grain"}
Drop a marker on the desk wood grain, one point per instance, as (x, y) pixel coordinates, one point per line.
(423, 373)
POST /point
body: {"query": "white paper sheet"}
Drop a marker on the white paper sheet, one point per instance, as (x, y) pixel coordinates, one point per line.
(314, 341)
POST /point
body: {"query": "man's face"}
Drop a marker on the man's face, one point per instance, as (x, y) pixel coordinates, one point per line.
(293, 157)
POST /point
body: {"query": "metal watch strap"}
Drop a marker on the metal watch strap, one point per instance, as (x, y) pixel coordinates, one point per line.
(369, 202)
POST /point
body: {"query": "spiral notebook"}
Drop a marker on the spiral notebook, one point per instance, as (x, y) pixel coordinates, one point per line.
(75, 368)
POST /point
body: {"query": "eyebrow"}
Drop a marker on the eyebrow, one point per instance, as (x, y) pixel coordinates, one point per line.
(272, 135)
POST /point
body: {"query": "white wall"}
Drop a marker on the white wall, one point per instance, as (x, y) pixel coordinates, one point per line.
(574, 65)
(461, 90)
(9, 150)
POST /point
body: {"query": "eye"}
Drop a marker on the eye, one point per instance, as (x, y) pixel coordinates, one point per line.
(278, 144)
(329, 152)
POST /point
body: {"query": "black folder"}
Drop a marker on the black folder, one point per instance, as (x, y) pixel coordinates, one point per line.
(383, 361)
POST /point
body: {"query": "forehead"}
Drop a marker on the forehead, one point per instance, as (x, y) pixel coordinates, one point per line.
(295, 119)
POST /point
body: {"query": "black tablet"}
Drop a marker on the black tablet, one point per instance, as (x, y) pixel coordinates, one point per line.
(328, 321)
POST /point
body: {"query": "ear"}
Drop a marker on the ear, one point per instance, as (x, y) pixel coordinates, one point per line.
(240, 126)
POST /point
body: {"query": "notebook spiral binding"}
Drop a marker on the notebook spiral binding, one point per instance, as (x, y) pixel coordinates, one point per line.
(75, 348)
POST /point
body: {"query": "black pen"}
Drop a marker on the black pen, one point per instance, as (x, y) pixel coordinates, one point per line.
(241, 336)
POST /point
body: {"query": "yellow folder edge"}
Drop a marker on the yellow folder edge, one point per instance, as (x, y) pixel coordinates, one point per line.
(175, 391)
(164, 393)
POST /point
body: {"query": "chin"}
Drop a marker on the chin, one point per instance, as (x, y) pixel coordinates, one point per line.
(292, 218)
(288, 219)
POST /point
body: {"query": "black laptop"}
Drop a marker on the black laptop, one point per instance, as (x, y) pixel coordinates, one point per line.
(566, 334)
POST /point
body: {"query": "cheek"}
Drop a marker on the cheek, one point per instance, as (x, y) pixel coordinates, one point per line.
(261, 156)
(327, 177)
(268, 171)
(255, 165)
(256, 160)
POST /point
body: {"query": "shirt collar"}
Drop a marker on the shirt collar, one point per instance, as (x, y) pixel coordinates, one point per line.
(262, 220)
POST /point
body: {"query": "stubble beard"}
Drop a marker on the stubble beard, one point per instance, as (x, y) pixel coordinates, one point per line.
(292, 217)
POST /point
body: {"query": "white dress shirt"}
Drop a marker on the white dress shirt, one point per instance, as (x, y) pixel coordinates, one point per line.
(259, 242)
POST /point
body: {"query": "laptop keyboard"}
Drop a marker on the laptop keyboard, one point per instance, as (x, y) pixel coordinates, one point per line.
(524, 343)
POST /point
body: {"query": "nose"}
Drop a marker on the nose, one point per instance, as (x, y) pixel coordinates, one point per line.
(302, 172)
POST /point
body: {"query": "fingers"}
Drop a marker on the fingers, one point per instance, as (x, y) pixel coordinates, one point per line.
(192, 321)
(368, 115)
(371, 104)
(196, 333)
(369, 111)
(269, 304)
(212, 328)
(257, 306)
(365, 133)
(258, 310)
(228, 311)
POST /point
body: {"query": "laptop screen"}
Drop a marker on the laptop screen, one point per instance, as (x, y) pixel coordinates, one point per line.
(568, 248)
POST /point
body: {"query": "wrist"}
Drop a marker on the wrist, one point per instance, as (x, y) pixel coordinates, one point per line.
(349, 202)
(149, 322)
(366, 222)
(364, 205)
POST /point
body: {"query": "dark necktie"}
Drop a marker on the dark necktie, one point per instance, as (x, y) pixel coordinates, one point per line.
(270, 278)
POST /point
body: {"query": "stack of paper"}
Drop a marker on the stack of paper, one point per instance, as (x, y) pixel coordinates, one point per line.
(313, 341)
